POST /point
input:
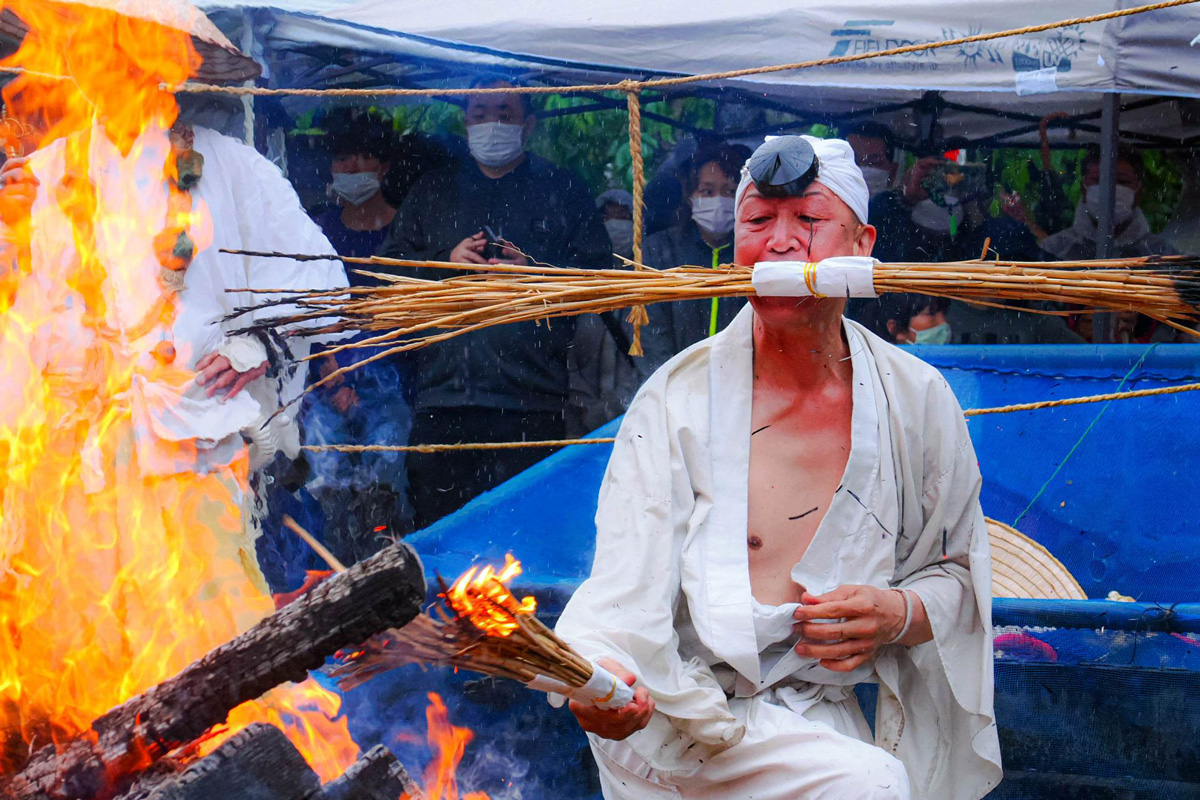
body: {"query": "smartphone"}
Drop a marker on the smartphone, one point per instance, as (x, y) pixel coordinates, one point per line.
(495, 247)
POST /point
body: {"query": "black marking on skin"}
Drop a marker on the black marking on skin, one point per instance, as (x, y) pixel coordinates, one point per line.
(805, 514)
(760, 430)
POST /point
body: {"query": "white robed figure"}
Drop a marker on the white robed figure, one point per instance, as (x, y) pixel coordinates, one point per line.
(791, 509)
(128, 399)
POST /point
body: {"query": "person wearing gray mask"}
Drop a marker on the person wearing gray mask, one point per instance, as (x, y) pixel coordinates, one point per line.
(503, 205)
(704, 240)
(1132, 235)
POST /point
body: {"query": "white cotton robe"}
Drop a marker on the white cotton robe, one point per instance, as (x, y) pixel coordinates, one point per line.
(670, 598)
(244, 203)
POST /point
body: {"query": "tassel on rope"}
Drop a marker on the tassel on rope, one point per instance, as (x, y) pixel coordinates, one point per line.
(637, 315)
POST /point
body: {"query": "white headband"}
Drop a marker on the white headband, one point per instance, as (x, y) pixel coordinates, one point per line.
(837, 172)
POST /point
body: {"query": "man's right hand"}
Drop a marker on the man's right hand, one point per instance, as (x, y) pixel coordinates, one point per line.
(914, 180)
(616, 723)
(18, 188)
(469, 250)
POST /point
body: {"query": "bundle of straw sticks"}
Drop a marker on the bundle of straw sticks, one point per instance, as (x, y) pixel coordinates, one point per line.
(480, 626)
(407, 313)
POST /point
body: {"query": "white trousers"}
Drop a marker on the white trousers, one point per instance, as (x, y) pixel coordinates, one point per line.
(822, 755)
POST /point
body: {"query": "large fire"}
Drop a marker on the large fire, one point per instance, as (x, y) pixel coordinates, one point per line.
(111, 579)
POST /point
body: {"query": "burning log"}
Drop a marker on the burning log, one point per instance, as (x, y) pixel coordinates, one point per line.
(257, 762)
(378, 775)
(381, 592)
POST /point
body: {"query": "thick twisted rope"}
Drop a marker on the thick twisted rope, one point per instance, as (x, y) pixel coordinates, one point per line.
(637, 315)
(971, 412)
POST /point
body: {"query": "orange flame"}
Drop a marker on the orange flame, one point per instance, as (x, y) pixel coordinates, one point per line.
(449, 743)
(113, 577)
(310, 715)
(482, 597)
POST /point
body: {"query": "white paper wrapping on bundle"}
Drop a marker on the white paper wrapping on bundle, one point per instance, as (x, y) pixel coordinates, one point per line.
(841, 276)
(603, 689)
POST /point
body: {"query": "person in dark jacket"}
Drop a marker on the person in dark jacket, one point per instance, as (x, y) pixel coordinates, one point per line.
(705, 240)
(508, 382)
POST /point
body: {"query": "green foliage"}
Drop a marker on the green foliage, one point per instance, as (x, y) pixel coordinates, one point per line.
(596, 143)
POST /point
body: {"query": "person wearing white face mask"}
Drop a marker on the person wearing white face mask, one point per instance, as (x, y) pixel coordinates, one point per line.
(358, 492)
(705, 240)
(508, 382)
(1132, 236)
(360, 147)
(1131, 232)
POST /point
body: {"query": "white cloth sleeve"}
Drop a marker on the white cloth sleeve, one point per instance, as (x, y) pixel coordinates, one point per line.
(244, 352)
(949, 567)
(626, 609)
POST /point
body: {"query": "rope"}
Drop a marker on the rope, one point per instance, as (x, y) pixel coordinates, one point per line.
(630, 85)
(1078, 401)
(1037, 496)
(637, 315)
(972, 412)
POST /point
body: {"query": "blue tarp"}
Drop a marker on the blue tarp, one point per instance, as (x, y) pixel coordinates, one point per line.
(1119, 477)
(1094, 699)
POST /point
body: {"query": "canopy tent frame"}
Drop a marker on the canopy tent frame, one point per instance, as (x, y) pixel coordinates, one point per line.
(928, 108)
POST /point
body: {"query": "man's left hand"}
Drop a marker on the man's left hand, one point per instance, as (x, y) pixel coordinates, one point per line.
(859, 621)
(512, 255)
(218, 374)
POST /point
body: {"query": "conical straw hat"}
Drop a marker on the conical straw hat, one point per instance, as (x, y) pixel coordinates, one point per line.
(1024, 569)
(222, 62)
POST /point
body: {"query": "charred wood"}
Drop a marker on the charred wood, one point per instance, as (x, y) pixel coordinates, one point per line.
(384, 591)
(377, 775)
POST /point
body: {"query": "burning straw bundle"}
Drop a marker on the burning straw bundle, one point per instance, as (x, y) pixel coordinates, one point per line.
(487, 630)
(409, 313)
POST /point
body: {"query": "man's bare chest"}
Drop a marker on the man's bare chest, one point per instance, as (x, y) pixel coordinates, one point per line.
(797, 461)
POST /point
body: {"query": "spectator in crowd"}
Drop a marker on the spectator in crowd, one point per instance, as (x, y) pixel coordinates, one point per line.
(875, 153)
(1131, 233)
(910, 225)
(1132, 237)
(361, 146)
(616, 208)
(359, 493)
(602, 375)
(706, 239)
(911, 319)
(507, 382)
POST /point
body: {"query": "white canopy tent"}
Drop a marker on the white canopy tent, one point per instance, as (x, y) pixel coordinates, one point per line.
(990, 93)
(1134, 79)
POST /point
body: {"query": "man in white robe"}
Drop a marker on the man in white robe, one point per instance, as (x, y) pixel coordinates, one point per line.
(791, 509)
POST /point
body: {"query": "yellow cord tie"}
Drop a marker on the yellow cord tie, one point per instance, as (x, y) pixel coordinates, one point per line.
(810, 278)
